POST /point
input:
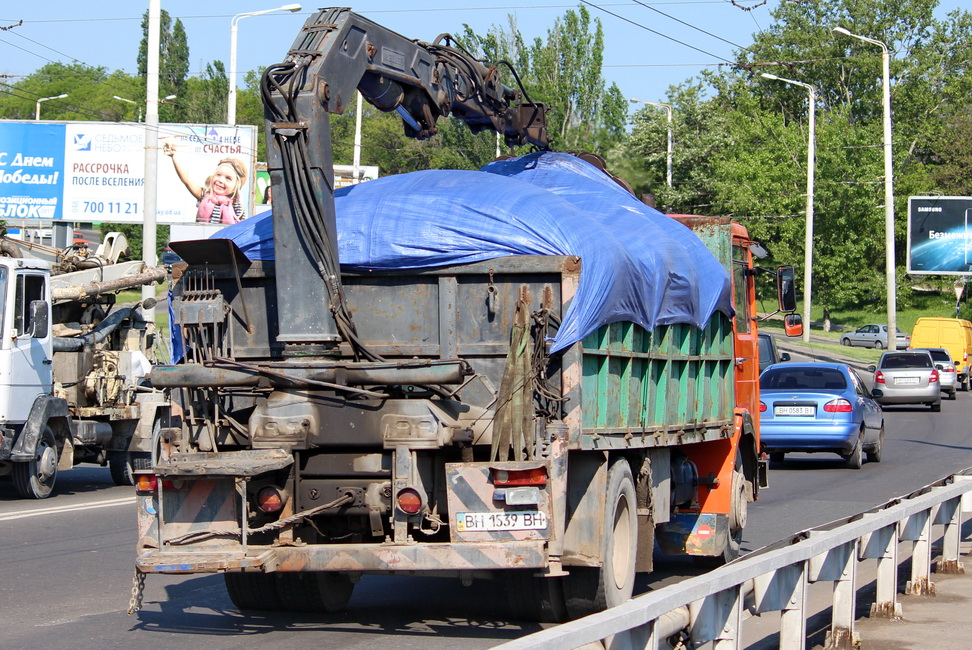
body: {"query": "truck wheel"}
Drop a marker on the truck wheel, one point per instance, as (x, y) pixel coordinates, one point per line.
(593, 589)
(313, 591)
(35, 478)
(252, 590)
(122, 463)
(535, 598)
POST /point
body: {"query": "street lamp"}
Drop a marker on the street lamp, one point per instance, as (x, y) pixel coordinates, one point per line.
(231, 99)
(888, 184)
(44, 99)
(811, 158)
(668, 108)
(130, 101)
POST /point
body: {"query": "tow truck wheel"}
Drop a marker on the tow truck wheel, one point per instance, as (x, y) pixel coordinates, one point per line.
(35, 478)
(253, 590)
(122, 463)
(314, 591)
(589, 589)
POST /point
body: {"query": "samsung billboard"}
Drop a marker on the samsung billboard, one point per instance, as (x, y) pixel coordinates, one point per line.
(940, 235)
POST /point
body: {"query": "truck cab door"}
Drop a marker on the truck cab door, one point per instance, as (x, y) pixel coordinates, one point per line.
(26, 369)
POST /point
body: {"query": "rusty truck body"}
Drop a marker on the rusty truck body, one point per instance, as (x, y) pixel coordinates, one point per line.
(417, 420)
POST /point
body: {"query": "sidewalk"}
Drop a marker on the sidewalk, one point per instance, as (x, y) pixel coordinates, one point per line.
(941, 621)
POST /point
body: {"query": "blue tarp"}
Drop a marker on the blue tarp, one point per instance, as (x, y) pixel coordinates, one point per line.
(637, 264)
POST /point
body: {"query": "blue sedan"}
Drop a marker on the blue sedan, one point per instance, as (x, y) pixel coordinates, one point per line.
(819, 407)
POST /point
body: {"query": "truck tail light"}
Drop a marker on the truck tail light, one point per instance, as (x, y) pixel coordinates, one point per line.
(838, 406)
(536, 476)
(409, 500)
(879, 377)
(934, 377)
(271, 499)
(762, 407)
(146, 484)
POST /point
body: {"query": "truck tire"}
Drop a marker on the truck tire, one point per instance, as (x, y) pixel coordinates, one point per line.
(122, 463)
(313, 591)
(593, 589)
(535, 598)
(253, 591)
(35, 478)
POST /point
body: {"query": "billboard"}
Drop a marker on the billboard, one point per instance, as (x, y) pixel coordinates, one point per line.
(940, 235)
(95, 172)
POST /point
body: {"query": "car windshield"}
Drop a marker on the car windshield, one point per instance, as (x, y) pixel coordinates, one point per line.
(904, 360)
(803, 378)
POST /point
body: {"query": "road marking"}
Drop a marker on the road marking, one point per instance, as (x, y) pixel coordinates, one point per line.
(37, 512)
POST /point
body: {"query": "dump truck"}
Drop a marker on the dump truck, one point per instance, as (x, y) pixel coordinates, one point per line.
(519, 373)
(74, 385)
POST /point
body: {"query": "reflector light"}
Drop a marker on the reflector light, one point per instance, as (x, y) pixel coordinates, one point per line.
(512, 477)
(762, 407)
(409, 500)
(838, 406)
(879, 377)
(934, 377)
(146, 484)
(270, 499)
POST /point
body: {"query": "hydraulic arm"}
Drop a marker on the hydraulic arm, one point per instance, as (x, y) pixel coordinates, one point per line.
(336, 53)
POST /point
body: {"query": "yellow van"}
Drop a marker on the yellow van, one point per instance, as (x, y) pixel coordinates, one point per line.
(953, 334)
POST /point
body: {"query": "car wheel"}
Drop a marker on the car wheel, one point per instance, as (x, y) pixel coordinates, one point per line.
(777, 456)
(878, 345)
(855, 459)
(951, 394)
(937, 406)
(874, 456)
(845, 341)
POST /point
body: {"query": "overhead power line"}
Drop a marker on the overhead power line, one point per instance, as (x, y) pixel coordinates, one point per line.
(698, 29)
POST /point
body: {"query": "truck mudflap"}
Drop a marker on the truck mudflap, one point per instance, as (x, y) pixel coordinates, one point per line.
(693, 534)
(387, 557)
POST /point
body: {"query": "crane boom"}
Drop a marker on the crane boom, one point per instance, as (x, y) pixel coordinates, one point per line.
(336, 53)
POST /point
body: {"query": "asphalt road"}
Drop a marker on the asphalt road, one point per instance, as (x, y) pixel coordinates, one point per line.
(66, 563)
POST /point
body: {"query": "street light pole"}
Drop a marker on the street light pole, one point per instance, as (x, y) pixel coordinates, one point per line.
(888, 185)
(231, 98)
(44, 99)
(668, 109)
(811, 159)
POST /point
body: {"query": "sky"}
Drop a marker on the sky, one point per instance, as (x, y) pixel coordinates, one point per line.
(649, 44)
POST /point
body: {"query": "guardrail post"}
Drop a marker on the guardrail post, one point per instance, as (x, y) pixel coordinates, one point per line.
(917, 529)
(882, 545)
(950, 515)
(718, 618)
(839, 565)
(785, 590)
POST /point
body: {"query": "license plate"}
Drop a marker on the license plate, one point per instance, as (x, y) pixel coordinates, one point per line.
(794, 410)
(520, 520)
(905, 381)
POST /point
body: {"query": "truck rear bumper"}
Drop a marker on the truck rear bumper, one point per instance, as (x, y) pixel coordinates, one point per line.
(378, 558)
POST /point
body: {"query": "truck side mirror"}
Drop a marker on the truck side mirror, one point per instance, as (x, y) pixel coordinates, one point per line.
(786, 288)
(793, 325)
(39, 319)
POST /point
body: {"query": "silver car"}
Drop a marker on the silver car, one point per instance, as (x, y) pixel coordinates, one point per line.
(947, 374)
(875, 336)
(907, 377)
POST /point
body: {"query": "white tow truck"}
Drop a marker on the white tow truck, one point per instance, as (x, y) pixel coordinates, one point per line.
(74, 365)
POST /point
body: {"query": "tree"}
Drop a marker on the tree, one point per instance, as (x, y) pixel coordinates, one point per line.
(173, 55)
(563, 72)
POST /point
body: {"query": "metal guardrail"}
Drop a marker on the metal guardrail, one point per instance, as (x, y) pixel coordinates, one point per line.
(709, 608)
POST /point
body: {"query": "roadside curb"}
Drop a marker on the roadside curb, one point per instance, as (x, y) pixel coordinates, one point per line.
(787, 346)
